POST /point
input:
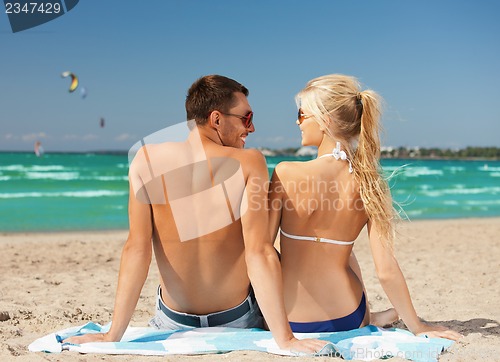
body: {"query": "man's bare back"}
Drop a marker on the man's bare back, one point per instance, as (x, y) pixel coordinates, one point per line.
(200, 272)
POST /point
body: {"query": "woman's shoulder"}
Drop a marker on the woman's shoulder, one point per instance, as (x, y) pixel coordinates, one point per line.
(291, 168)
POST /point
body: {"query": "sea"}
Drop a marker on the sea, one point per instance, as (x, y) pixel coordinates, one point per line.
(89, 191)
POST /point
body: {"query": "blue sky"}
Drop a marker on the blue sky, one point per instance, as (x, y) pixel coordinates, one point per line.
(436, 63)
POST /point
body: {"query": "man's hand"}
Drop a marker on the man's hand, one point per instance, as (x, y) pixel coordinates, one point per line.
(87, 338)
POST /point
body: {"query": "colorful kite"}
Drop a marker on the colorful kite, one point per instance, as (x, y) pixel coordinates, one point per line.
(74, 80)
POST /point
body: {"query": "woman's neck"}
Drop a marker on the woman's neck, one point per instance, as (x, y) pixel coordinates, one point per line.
(326, 146)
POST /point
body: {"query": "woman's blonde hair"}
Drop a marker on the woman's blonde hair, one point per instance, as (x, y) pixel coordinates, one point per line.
(352, 116)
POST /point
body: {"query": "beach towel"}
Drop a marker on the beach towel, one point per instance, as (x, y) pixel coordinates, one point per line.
(367, 343)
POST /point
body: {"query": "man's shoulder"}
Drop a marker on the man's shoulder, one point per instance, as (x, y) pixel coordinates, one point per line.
(150, 155)
(247, 155)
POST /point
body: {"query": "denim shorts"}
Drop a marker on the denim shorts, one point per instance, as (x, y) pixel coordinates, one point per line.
(173, 321)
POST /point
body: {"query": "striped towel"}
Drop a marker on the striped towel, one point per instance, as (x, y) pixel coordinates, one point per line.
(367, 343)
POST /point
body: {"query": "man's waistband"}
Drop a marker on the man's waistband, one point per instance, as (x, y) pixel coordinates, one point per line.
(213, 319)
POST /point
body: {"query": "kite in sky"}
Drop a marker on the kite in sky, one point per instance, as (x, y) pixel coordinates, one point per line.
(74, 80)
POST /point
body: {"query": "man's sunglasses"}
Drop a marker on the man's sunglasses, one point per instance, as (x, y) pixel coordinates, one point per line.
(247, 120)
(301, 116)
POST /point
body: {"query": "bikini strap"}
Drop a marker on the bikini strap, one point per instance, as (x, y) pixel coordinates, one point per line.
(317, 239)
(337, 153)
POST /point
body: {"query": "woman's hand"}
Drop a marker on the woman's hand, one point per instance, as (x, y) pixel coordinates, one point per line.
(307, 346)
(437, 331)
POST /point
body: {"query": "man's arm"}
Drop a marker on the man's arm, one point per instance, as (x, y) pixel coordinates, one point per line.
(275, 203)
(263, 266)
(134, 267)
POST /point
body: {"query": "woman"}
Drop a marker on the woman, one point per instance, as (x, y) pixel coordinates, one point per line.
(323, 204)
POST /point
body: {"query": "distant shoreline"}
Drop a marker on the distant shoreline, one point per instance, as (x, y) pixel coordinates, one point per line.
(112, 152)
(275, 153)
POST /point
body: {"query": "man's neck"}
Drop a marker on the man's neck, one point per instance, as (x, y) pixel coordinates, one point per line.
(209, 135)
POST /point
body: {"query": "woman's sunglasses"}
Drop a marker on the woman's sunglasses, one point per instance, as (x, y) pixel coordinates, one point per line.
(247, 120)
(301, 116)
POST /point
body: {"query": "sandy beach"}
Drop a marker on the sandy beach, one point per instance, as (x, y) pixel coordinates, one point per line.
(52, 281)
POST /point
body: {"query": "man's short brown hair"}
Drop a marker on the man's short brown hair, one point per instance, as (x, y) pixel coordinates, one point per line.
(210, 93)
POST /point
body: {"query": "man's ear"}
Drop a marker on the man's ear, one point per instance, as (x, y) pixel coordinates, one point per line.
(214, 119)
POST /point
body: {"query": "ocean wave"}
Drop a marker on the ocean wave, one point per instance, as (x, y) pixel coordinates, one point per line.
(486, 168)
(495, 174)
(23, 168)
(47, 168)
(13, 168)
(390, 168)
(53, 175)
(425, 187)
(109, 178)
(104, 178)
(399, 191)
(414, 212)
(482, 202)
(462, 191)
(455, 169)
(117, 207)
(82, 194)
(420, 171)
(62, 176)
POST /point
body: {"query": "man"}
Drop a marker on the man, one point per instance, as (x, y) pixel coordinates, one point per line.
(201, 205)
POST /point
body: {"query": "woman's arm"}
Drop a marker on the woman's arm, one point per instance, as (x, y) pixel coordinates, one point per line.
(264, 269)
(394, 284)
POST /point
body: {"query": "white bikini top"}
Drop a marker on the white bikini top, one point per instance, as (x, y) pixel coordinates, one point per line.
(317, 239)
(338, 154)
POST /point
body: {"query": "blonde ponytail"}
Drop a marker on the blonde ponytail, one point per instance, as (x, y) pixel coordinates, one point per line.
(374, 190)
(347, 114)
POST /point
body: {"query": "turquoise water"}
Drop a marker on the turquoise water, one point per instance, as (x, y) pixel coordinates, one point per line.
(90, 191)
(63, 192)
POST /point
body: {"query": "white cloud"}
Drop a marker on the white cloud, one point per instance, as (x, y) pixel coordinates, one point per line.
(277, 139)
(70, 137)
(90, 137)
(392, 114)
(10, 137)
(273, 139)
(125, 137)
(74, 137)
(30, 137)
